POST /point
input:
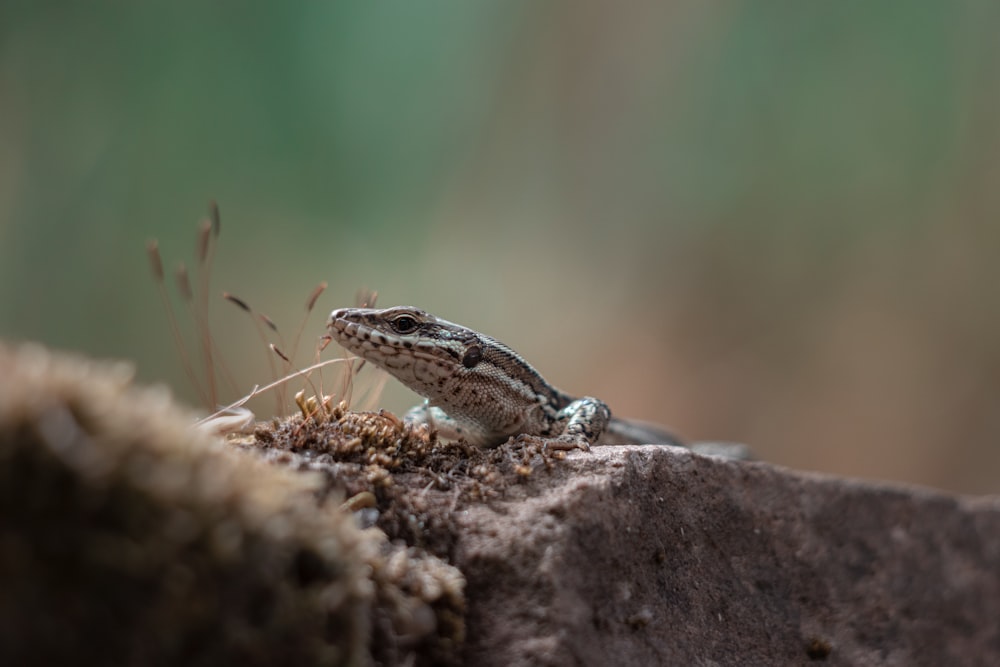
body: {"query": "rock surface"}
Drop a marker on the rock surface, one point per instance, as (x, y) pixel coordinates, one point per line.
(128, 538)
(643, 556)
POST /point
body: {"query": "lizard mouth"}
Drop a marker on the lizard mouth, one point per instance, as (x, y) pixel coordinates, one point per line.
(353, 332)
(357, 336)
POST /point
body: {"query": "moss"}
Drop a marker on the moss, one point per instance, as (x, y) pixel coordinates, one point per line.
(409, 485)
(128, 538)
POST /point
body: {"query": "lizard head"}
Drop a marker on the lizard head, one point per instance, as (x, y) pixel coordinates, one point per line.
(422, 351)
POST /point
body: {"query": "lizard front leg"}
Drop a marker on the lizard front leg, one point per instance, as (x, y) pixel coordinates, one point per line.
(582, 423)
(435, 418)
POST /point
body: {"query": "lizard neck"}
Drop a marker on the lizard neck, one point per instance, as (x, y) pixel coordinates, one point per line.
(511, 365)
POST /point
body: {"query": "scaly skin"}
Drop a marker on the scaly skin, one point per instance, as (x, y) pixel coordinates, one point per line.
(476, 387)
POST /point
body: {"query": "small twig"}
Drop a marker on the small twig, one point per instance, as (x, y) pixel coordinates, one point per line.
(260, 390)
(257, 318)
(156, 263)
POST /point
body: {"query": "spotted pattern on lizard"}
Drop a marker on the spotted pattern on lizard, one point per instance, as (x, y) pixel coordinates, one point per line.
(476, 387)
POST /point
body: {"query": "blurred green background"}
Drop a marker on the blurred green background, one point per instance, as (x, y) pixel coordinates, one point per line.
(776, 224)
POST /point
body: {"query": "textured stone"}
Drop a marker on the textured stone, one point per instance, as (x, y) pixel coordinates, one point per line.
(654, 555)
(127, 538)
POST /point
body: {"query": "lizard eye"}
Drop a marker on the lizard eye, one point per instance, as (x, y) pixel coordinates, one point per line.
(404, 324)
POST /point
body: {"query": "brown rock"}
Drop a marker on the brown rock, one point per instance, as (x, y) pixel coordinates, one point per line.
(127, 538)
(652, 555)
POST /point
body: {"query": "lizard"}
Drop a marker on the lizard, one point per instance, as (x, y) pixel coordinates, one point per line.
(477, 388)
